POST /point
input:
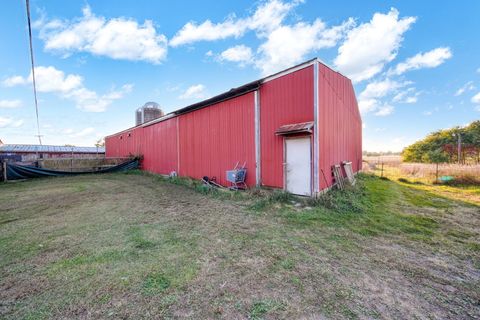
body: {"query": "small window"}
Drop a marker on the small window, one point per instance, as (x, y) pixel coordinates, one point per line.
(129, 134)
(121, 137)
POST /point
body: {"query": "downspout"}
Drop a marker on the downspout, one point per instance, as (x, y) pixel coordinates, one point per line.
(257, 139)
(316, 137)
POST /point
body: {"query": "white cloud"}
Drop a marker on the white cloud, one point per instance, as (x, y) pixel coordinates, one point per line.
(466, 87)
(430, 59)
(6, 122)
(406, 96)
(13, 81)
(70, 86)
(427, 113)
(371, 45)
(380, 89)
(197, 91)
(288, 45)
(384, 110)
(367, 105)
(208, 31)
(270, 15)
(410, 100)
(49, 79)
(81, 133)
(267, 16)
(10, 103)
(369, 98)
(476, 98)
(241, 54)
(283, 45)
(117, 38)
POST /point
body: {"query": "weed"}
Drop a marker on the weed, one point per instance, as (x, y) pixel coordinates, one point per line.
(138, 240)
(280, 197)
(474, 246)
(287, 264)
(155, 283)
(261, 308)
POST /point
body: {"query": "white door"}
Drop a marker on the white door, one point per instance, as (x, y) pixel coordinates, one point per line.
(298, 176)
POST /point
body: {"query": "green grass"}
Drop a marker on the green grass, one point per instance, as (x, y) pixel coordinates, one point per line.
(466, 193)
(138, 240)
(137, 245)
(156, 283)
(371, 209)
(260, 309)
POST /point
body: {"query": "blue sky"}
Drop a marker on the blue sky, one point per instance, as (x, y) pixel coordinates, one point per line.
(415, 64)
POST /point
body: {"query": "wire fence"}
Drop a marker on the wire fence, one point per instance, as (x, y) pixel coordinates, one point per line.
(393, 167)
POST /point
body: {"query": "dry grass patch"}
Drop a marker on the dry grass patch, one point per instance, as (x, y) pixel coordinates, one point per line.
(140, 246)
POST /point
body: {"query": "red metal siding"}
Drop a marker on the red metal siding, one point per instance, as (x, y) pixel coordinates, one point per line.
(156, 143)
(209, 141)
(340, 124)
(213, 139)
(159, 147)
(285, 100)
(124, 144)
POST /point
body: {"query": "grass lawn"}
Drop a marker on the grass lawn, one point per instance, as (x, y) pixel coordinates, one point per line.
(136, 246)
(467, 193)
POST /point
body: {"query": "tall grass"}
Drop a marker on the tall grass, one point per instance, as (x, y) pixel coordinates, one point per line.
(468, 174)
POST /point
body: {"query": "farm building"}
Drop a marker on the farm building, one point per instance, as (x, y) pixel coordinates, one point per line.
(289, 129)
(32, 152)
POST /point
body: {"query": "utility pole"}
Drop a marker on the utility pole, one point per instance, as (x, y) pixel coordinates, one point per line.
(27, 2)
(459, 148)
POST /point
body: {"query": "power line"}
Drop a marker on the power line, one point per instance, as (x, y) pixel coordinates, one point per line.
(33, 70)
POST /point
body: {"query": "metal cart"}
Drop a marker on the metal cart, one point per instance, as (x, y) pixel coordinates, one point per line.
(237, 177)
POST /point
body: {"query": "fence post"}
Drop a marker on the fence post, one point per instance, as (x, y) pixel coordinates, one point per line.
(381, 176)
(4, 170)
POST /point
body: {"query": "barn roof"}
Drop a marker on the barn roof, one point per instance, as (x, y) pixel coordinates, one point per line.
(34, 148)
(251, 86)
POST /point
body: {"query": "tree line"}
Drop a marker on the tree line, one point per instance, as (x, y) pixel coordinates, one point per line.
(442, 146)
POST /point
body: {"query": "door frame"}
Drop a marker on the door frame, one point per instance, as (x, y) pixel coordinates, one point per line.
(300, 136)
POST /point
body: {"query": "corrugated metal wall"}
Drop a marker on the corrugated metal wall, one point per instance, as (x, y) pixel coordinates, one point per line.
(340, 126)
(210, 141)
(124, 144)
(158, 146)
(213, 139)
(285, 100)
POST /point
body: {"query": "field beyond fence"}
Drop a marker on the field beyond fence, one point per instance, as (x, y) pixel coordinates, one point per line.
(422, 171)
(451, 180)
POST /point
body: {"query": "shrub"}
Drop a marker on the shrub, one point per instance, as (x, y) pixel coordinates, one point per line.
(464, 180)
(403, 180)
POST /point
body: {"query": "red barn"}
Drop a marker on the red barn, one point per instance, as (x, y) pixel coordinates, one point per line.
(289, 129)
